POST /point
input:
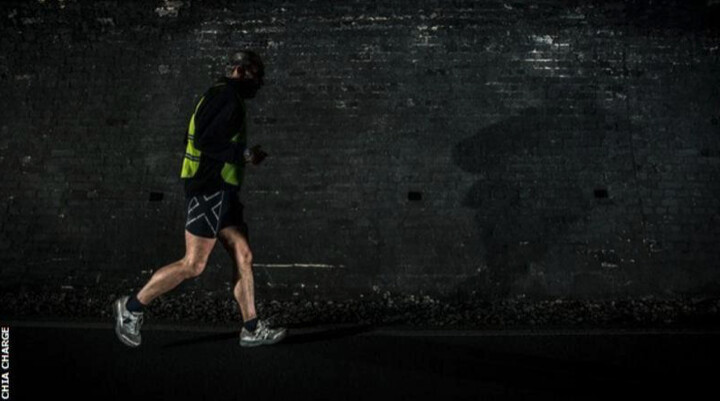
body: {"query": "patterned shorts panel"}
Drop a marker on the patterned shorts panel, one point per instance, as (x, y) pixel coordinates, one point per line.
(207, 214)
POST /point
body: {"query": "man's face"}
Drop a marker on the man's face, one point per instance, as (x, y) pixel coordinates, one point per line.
(256, 73)
(253, 78)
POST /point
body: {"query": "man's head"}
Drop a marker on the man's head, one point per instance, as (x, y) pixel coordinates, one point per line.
(248, 69)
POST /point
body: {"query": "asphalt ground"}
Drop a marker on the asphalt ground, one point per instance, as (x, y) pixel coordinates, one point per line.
(340, 362)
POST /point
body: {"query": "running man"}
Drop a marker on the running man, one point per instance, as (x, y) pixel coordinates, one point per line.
(213, 168)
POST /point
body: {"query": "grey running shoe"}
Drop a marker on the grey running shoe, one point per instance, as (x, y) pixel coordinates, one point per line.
(127, 324)
(262, 335)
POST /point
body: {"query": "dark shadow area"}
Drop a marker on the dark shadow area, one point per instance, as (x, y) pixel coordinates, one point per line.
(544, 177)
(328, 334)
(210, 338)
(685, 15)
(363, 366)
(321, 334)
(453, 359)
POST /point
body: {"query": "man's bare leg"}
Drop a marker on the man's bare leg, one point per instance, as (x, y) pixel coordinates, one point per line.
(197, 252)
(255, 331)
(128, 319)
(244, 286)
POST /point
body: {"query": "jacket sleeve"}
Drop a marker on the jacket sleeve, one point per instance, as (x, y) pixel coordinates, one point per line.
(215, 125)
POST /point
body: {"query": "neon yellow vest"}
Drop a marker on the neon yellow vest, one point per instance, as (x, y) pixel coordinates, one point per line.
(231, 173)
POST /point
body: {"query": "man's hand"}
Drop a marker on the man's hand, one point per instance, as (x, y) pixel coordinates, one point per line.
(255, 155)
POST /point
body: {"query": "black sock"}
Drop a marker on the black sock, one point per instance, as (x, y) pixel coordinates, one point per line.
(134, 305)
(251, 324)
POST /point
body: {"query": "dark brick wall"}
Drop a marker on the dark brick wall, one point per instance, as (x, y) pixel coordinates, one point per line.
(508, 149)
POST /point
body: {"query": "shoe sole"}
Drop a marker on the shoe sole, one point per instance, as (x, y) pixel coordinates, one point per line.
(264, 342)
(117, 312)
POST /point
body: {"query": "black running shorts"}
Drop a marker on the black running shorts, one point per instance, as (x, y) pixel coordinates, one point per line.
(207, 214)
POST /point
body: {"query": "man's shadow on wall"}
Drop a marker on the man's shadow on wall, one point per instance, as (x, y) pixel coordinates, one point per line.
(542, 176)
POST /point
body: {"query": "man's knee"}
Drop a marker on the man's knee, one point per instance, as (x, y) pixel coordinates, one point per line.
(194, 267)
(245, 258)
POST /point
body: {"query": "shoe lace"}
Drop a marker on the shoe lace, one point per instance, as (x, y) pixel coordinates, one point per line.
(262, 330)
(135, 323)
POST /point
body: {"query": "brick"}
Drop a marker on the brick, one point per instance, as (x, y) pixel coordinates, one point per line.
(506, 132)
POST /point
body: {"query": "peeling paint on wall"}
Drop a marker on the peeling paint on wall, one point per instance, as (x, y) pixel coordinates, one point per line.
(169, 8)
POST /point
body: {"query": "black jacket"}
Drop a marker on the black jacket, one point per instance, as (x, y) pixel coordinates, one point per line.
(220, 116)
